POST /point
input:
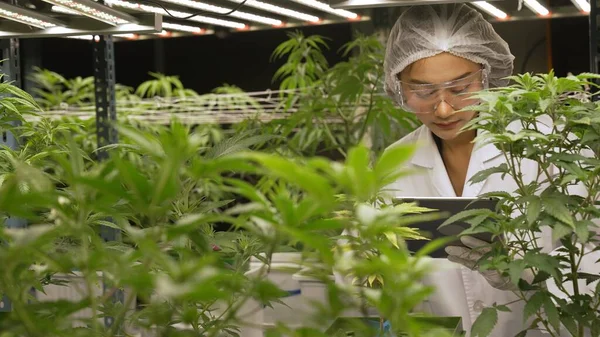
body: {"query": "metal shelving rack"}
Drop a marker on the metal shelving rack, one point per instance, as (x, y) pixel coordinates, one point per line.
(104, 73)
(594, 37)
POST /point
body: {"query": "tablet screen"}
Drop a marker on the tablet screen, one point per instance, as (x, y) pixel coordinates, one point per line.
(450, 206)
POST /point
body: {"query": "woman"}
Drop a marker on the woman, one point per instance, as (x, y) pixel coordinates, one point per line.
(435, 57)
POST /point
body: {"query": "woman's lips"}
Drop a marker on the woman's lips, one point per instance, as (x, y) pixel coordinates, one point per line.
(447, 126)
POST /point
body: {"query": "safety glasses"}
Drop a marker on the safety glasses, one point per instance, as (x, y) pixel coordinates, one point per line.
(425, 98)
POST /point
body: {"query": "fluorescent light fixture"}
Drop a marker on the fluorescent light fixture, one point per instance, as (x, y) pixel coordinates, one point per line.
(223, 10)
(582, 5)
(81, 25)
(28, 17)
(183, 28)
(164, 33)
(198, 18)
(95, 10)
(130, 36)
(387, 3)
(326, 8)
(64, 10)
(537, 7)
(490, 9)
(279, 10)
(81, 37)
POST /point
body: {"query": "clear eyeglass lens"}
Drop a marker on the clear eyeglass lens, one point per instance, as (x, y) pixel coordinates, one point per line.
(425, 98)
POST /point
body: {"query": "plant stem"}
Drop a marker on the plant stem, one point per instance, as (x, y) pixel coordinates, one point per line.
(369, 109)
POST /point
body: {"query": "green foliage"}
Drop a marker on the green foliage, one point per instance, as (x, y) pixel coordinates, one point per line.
(163, 86)
(485, 322)
(305, 64)
(165, 190)
(335, 108)
(550, 122)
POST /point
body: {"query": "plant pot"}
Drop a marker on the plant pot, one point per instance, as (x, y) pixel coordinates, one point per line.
(249, 316)
(283, 267)
(74, 290)
(354, 326)
(313, 293)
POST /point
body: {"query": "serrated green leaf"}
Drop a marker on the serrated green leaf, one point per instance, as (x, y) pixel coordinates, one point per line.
(533, 305)
(484, 174)
(544, 262)
(515, 270)
(560, 231)
(392, 159)
(569, 323)
(468, 214)
(533, 210)
(478, 220)
(502, 308)
(552, 313)
(582, 229)
(391, 236)
(484, 324)
(557, 209)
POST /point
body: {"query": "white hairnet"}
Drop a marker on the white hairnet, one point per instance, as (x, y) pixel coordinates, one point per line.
(425, 31)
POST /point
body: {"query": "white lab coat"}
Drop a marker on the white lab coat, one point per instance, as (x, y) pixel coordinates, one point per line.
(461, 291)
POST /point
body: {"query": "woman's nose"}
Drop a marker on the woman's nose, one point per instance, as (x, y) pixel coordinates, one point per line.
(444, 110)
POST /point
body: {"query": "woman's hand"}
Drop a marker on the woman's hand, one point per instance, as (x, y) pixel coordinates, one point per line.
(470, 255)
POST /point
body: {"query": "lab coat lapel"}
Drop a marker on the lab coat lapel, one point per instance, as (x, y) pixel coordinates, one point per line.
(482, 158)
(428, 156)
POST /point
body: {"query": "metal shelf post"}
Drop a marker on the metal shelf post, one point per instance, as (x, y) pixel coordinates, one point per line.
(594, 36)
(106, 115)
(11, 68)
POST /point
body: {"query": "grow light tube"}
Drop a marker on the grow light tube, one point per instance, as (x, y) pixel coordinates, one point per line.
(198, 18)
(490, 9)
(28, 17)
(96, 11)
(223, 10)
(81, 37)
(129, 36)
(183, 28)
(582, 5)
(279, 10)
(537, 7)
(326, 8)
(63, 10)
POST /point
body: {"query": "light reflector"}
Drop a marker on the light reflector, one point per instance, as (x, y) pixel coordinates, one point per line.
(96, 11)
(490, 9)
(223, 10)
(279, 10)
(537, 7)
(326, 8)
(198, 18)
(28, 17)
(582, 5)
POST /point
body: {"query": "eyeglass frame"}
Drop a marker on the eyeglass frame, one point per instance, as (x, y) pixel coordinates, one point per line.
(444, 85)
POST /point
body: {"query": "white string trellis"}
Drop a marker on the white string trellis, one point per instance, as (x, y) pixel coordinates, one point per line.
(229, 108)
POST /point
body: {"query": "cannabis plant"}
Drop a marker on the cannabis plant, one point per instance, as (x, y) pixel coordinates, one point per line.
(553, 123)
(163, 192)
(334, 108)
(163, 86)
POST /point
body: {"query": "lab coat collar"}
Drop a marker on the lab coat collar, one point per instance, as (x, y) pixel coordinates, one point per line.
(427, 155)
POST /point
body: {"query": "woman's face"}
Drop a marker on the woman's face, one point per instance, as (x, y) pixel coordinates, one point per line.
(436, 87)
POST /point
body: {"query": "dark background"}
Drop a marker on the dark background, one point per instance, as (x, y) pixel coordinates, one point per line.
(243, 59)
